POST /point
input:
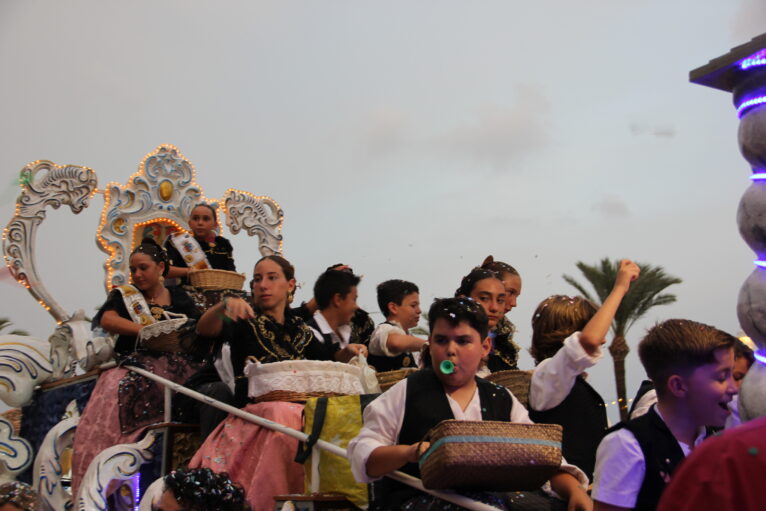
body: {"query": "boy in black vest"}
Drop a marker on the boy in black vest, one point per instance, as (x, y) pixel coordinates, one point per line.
(691, 365)
(391, 345)
(335, 294)
(395, 423)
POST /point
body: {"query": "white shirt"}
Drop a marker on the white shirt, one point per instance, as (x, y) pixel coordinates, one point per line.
(383, 420)
(554, 377)
(379, 339)
(325, 328)
(620, 467)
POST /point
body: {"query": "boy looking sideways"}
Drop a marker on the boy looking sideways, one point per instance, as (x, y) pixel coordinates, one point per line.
(691, 367)
(391, 345)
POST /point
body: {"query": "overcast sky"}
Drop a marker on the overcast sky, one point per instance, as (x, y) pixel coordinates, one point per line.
(408, 139)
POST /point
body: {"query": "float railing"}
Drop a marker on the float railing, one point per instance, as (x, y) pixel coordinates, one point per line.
(303, 437)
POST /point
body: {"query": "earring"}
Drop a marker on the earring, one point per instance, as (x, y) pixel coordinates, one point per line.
(290, 297)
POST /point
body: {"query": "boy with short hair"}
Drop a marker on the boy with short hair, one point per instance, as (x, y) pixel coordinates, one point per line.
(691, 366)
(391, 345)
(335, 294)
(395, 422)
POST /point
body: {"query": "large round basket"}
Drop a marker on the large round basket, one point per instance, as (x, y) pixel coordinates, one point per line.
(216, 279)
(387, 379)
(514, 380)
(299, 380)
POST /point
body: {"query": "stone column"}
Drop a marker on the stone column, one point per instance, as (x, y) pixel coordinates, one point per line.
(742, 72)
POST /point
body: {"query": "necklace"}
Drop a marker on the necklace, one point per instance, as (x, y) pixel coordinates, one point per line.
(153, 299)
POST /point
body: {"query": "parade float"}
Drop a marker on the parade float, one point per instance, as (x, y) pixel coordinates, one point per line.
(51, 380)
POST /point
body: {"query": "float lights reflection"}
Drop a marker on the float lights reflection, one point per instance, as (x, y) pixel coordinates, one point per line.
(758, 176)
(760, 357)
(760, 262)
(750, 103)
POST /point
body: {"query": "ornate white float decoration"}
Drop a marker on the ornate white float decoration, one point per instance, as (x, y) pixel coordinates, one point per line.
(119, 462)
(48, 469)
(24, 364)
(152, 494)
(15, 453)
(159, 196)
(163, 192)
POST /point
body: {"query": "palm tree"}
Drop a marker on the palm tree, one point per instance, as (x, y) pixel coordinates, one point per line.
(644, 293)
(5, 323)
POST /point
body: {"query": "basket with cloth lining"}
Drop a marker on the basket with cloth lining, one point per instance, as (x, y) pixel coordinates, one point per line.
(299, 380)
(490, 455)
(174, 334)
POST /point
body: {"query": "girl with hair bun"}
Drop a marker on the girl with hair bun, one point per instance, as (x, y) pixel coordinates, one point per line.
(505, 352)
(485, 287)
(122, 403)
(126, 315)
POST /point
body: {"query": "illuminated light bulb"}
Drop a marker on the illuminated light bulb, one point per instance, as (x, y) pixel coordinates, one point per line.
(760, 357)
(758, 176)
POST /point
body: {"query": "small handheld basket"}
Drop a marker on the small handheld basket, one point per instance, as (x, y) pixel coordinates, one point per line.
(216, 279)
(168, 336)
(490, 455)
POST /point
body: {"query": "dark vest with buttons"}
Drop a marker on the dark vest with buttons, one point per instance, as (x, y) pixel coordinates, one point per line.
(662, 454)
(426, 406)
(382, 363)
(583, 416)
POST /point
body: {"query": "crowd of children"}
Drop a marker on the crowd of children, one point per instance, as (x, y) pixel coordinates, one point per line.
(692, 370)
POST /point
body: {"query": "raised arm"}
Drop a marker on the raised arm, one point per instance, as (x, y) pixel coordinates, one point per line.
(399, 343)
(594, 333)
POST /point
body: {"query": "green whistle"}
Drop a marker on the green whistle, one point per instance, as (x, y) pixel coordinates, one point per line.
(447, 367)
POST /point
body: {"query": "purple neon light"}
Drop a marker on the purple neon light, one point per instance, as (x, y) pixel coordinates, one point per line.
(760, 262)
(760, 357)
(758, 176)
(745, 105)
(754, 60)
(137, 490)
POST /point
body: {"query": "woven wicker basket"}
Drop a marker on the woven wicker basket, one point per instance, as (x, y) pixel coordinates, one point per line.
(516, 381)
(216, 279)
(387, 379)
(291, 396)
(490, 455)
(166, 336)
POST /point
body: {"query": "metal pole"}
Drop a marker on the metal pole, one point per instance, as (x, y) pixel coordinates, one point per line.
(327, 446)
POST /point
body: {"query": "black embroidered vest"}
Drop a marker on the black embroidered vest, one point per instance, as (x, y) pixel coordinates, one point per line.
(662, 454)
(427, 405)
